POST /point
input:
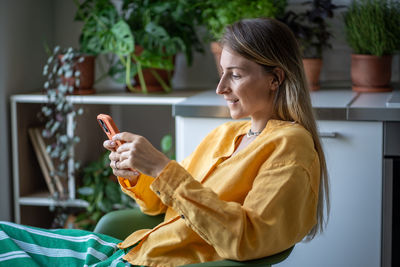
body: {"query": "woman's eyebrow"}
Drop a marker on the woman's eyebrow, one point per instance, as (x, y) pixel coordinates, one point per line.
(235, 67)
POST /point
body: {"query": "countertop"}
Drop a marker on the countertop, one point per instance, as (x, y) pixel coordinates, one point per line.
(329, 103)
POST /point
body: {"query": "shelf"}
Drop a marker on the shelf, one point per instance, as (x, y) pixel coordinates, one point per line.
(122, 98)
(31, 197)
(44, 199)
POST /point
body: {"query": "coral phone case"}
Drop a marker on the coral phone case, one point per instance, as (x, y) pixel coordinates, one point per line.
(108, 126)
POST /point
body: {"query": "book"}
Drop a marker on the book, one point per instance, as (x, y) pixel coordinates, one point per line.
(53, 181)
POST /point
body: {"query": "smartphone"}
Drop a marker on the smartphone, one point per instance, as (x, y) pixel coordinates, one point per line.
(107, 124)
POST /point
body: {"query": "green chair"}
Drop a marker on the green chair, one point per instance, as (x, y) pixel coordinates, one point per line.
(121, 223)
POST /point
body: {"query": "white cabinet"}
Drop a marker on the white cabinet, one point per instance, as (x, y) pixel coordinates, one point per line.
(354, 158)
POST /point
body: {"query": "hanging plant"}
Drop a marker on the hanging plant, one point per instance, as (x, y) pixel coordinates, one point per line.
(59, 112)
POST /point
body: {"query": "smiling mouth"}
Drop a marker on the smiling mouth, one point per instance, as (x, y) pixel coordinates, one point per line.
(232, 101)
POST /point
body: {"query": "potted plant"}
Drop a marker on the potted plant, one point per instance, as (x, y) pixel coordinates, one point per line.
(313, 34)
(104, 31)
(373, 32)
(145, 35)
(161, 29)
(59, 113)
(216, 15)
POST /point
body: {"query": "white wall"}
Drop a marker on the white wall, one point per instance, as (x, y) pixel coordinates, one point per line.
(24, 24)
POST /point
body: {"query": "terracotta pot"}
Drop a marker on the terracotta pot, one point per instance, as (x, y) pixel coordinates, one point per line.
(86, 80)
(371, 73)
(216, 49)
(312, 69)
(152, 84)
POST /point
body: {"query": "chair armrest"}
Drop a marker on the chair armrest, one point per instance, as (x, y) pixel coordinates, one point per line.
(121, 223)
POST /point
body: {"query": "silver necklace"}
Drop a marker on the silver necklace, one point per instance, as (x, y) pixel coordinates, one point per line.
(251, 133)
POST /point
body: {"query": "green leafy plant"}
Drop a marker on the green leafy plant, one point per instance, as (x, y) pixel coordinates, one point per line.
(101, 191)
(104, 31)
(311, 28)
(167, 146)
(162, 28)
(58, 112)
(218, 14)
(372, 26)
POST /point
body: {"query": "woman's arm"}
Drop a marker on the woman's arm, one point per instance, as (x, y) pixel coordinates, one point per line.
(148, 202)
(279, 210)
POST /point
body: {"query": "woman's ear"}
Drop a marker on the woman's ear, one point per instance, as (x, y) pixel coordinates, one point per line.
(279, 75)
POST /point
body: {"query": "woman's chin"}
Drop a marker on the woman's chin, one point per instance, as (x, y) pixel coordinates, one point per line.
(236, 116)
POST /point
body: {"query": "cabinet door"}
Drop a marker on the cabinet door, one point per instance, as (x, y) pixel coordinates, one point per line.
(353, 234)
(354, 158)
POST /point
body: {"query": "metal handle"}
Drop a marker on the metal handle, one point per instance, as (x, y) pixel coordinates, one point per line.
(328, 134)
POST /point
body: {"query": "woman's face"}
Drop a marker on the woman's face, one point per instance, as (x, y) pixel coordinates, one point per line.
(246, 86)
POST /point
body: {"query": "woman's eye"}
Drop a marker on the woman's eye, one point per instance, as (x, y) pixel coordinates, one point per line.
(235, 76)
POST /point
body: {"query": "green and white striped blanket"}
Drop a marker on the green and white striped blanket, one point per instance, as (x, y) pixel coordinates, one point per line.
(29, 246)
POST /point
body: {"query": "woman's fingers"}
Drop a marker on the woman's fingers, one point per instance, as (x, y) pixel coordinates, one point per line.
(118, 166)
(114, 156)
(125, 164)
(138, 153)
(109, 145)
(125, 136)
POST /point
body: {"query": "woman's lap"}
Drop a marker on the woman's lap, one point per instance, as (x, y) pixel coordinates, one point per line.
(29, 246)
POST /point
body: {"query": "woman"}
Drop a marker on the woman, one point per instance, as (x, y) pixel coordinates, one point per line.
(251, 188)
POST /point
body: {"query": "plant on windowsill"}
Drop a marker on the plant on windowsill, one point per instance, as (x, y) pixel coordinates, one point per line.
(313, 33)
(59, 113)
(373, 32)
(216, 15)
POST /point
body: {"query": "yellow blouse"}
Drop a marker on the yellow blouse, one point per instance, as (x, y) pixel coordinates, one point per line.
(254, 204)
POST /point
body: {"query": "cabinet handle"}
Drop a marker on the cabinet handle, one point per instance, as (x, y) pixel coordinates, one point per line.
(328, 134)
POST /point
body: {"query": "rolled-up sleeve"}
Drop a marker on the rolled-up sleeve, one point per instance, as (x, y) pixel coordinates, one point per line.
(148, 202)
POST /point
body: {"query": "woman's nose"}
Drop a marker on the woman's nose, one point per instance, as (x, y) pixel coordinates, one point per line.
(222, 88)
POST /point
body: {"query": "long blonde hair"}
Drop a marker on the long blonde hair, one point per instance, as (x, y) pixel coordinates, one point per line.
(271, 44)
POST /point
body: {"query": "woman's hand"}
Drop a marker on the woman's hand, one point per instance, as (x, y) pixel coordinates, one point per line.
(130, 174)
(136, 153)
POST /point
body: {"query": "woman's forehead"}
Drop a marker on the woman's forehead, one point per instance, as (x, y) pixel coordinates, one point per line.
(231, 59)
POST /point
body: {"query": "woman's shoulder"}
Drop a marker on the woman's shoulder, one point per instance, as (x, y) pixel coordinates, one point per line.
(291, 142)
(288, 130)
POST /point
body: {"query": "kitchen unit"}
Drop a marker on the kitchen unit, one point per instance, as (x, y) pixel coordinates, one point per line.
(353, 128)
